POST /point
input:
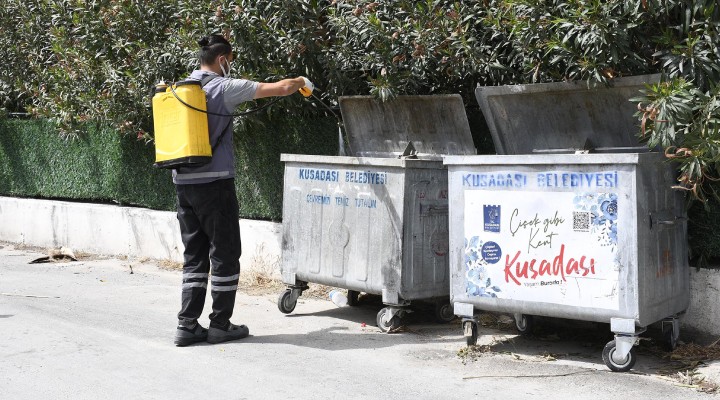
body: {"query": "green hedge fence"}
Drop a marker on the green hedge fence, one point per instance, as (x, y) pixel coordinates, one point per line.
(107, 167)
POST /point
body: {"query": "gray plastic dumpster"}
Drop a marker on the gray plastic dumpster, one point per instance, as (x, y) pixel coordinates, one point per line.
(579, 231)
(376, 222)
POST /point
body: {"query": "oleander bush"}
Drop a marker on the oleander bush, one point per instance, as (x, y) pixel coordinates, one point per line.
(87, 67)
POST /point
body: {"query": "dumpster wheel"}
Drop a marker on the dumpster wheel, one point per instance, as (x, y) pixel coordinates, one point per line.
(352, 297)
(390, 325)
(524, 323)
(618, 365)
(444, 312)
(286, 302)
(470, 331)
(671, 333)
(671, 339)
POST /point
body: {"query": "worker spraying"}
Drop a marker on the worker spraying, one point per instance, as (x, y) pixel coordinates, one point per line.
(207, 206)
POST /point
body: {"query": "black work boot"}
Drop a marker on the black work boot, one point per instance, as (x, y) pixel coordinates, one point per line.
(218, 333)
(187, 335)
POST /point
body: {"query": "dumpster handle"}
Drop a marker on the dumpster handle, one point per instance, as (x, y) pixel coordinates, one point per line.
(673, 221)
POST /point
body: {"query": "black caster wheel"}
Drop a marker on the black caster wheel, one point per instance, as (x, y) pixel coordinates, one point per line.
(444, 312)
(352, 297)
(390, 325)
(470, 331)
(670, 338)
(524, 323)
(286, 304)
(612, 361)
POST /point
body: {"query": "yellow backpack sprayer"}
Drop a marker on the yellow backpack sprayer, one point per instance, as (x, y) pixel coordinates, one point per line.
(181, 132)
(182, 137)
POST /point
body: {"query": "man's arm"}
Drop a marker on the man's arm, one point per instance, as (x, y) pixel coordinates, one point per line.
(284, 87)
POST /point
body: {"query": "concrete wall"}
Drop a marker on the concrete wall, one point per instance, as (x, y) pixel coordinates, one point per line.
(138, 232)
(703, 314)
(120, 231)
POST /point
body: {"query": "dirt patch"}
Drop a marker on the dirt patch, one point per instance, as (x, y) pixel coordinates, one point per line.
(23, 247)
(691, 352)
(259, 283)
(683, 364)
(472, 353)
(167, 265)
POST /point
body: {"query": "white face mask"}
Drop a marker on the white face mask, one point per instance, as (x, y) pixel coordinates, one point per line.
(226, 74)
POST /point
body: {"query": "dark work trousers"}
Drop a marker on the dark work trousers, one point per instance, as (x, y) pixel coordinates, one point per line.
(209, 225)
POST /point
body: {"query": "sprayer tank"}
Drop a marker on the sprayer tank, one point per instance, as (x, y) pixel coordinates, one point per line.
(181, 132)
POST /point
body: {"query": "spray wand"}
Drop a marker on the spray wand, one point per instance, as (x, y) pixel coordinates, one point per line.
(341, 141)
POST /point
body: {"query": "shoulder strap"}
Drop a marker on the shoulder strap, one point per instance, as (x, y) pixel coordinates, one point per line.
(229, 124)
(204, 81)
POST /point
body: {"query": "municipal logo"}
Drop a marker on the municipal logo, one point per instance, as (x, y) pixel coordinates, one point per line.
(491, 218)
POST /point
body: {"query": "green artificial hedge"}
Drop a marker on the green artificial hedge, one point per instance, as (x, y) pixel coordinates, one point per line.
(107, 167)
(97, 166)
(259, 171)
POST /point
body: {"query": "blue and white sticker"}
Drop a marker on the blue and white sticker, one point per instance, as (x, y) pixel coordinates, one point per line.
(491, 252)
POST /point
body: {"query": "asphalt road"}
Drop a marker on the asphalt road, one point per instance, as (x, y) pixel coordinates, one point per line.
(92, 330)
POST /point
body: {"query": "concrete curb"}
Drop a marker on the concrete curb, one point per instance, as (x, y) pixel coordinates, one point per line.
(120, 231)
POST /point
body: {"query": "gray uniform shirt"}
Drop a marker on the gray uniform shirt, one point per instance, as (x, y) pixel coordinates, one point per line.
(223, 96)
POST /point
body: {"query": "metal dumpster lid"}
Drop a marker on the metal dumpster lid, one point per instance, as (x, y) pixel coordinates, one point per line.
(564, 115)
(434, 124)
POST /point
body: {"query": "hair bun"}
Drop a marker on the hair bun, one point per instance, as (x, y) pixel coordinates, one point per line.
(204, 41)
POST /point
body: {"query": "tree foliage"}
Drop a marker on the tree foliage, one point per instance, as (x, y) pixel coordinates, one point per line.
(74, 61)
(77, 60)
(682, 113)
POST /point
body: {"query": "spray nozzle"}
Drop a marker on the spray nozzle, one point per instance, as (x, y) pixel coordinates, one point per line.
(308, 88)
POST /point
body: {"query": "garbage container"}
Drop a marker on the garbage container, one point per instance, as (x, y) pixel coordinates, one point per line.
(376, 222)
(570, 221)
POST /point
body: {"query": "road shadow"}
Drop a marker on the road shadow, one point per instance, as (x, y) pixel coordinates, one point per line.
(420, 313)
(417, 327)
(341, 338)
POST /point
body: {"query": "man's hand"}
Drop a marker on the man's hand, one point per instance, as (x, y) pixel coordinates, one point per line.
(284, 87)
(308, 88)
